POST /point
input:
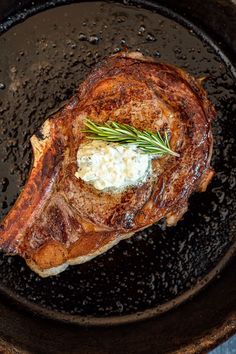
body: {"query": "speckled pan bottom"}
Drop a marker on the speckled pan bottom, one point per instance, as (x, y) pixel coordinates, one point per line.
(42, 62)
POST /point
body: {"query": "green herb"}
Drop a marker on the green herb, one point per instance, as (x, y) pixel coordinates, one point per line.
(148, 142)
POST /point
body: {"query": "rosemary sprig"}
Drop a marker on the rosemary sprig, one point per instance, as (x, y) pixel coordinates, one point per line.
(148, 142)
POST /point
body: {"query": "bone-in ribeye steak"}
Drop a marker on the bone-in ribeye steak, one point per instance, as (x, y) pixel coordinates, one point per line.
(59, 219)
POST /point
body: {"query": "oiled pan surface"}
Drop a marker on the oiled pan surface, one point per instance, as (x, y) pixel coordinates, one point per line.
(42, 62)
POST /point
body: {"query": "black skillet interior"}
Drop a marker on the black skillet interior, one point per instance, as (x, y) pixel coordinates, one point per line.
(42, 62)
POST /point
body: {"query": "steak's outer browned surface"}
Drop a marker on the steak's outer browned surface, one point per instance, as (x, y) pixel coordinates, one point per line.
(59, 219)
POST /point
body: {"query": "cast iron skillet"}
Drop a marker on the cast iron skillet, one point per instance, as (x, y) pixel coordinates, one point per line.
(42, 62)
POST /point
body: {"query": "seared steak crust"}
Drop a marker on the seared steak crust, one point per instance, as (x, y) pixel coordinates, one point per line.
(59, 219)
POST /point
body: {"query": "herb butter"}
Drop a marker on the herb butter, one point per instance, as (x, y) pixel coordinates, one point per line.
(111, 165)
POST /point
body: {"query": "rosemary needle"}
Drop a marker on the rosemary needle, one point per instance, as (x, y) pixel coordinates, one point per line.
(148, 142)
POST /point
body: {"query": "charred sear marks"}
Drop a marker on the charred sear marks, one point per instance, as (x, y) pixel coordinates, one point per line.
(39, 134)
(56, 225)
